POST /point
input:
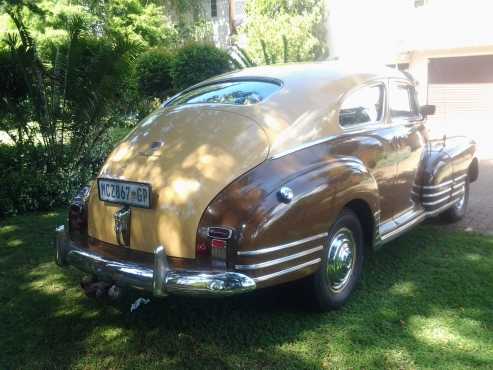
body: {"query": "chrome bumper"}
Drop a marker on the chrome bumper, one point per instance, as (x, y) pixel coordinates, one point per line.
(159, 280)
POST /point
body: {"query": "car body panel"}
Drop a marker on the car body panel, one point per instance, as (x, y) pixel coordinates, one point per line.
(202, 151)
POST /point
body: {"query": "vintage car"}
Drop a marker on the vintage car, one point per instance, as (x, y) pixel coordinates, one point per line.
(264, 176)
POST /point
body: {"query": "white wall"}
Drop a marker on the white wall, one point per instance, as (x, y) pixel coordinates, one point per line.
(382, 29)
(220, 23)
(375, 30)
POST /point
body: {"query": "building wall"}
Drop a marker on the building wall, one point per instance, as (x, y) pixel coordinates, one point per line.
(221, 22)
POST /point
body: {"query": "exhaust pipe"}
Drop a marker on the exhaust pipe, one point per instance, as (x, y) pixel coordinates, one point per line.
(100, 289)
(115, 292)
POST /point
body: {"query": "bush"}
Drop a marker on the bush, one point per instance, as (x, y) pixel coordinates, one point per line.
(27, 184)
(285, 31)
(197, 62)
(153, 73)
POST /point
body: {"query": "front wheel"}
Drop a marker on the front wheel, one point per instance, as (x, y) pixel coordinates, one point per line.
(342, 262)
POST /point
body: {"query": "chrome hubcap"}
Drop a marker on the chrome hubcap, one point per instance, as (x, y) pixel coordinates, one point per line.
(340, 259)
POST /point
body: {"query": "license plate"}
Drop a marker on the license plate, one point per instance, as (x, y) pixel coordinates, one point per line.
(125, 192)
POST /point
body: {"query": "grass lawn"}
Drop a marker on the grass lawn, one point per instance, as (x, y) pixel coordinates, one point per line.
(426, 302)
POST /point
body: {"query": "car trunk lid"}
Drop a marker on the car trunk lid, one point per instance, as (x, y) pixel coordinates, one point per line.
(187, 155)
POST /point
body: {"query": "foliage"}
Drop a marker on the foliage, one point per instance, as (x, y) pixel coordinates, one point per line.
(197, 62)
(71, 71)
(62, 103)
(426, 302)
(286, 30)
(153, 73)
(26, 185)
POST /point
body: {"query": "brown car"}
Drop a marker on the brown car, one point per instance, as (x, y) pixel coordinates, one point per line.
(265, 176)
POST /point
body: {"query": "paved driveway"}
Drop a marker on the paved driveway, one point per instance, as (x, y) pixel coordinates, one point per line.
(479, 217)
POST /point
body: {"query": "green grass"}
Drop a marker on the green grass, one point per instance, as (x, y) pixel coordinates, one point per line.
(426, 302)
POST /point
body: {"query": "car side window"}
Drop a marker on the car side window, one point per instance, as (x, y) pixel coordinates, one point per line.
(362, 106)
(402, 101)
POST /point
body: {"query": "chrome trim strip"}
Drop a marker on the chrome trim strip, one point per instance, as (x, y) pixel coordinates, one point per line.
(441, 185)
(441, 200)
(442, 208)
(282, 246)
(438, 186)
(419, 217)
(277, 261)
(287, 271)
(459, 185)
(437, 194)
(458, 192)
(302, 146)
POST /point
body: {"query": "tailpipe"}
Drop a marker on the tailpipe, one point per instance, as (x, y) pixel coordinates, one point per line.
(100, 289)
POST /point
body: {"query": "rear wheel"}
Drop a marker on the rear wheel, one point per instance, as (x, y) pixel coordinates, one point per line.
(458, 210)
(342, 262)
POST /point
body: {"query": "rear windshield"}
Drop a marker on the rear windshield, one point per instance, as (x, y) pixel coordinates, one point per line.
(234, 93)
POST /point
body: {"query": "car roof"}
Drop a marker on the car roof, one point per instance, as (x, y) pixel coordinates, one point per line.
(305, 109)
(325, 72)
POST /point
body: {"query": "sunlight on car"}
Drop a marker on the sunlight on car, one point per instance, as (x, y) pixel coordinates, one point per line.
(180, 190)
(210, 162)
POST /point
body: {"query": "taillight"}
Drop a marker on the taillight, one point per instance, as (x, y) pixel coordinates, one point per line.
(214, 242)
(77, 213)
(219, 232)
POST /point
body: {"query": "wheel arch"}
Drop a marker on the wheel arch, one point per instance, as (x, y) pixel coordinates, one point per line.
(473, 171)
(367, 220)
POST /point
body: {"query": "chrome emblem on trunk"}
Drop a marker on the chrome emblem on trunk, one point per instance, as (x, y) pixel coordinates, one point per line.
(122, 226)
(155, 145)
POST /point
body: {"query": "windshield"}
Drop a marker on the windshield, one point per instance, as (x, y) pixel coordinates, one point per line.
(234, 93)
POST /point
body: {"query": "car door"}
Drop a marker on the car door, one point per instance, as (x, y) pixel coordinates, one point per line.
(409, 143)
(369, 137)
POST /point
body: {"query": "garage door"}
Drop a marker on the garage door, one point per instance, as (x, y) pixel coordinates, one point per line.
(462, 90)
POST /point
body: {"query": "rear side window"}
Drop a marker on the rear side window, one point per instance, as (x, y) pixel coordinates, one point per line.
(234, 93)
(362, 106)
(402, 101)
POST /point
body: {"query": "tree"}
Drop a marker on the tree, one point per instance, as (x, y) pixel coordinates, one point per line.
(65, 101)
(285, 30)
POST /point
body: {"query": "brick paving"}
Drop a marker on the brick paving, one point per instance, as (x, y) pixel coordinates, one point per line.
(479, 216)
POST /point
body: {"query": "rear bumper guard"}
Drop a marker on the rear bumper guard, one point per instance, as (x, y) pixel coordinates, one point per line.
(160, 280)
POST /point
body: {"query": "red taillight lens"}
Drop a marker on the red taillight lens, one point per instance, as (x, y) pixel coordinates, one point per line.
(218, 243)
(202, 249)
(214, 242)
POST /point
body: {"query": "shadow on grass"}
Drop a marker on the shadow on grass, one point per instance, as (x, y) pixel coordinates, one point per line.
(426, 301)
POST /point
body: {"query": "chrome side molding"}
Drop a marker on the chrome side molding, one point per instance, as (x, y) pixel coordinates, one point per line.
(277, 261)
(287, 271)
(280, 247)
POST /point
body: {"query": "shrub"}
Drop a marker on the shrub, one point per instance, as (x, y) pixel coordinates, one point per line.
(26, 183)
(197, 62)
(153, 73)
(285, 30)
